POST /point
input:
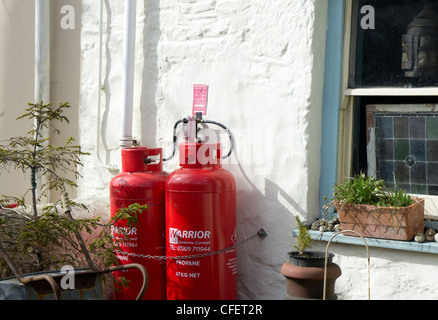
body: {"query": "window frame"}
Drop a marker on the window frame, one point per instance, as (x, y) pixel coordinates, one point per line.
(339, 101)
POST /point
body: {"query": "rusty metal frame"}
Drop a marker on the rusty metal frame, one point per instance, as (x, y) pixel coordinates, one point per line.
(326, 261)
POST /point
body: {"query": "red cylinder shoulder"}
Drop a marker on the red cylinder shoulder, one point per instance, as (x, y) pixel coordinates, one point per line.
(213, 179)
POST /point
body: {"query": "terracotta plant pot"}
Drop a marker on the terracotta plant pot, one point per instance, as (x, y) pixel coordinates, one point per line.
(382, 222)
(307, 282)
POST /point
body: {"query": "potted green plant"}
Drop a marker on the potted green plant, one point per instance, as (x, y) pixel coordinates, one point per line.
(39, 239)
(367, 206)
(305, 270)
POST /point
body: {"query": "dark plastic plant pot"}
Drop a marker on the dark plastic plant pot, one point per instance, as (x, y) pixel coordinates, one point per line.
(312, 259)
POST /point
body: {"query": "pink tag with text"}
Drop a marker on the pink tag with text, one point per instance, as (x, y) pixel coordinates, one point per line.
(200, 95)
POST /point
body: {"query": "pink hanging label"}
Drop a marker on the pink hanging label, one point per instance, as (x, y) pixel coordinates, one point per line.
(200, 95)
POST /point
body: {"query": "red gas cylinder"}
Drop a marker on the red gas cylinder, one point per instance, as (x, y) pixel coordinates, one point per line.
(201, 219)
(141, 181)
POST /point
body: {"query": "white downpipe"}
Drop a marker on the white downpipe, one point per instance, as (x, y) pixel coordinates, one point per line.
(42, 51)
(128, 74)
(42, 62)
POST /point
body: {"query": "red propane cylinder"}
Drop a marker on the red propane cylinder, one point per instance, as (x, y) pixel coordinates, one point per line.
(201, 219)
(141, 181)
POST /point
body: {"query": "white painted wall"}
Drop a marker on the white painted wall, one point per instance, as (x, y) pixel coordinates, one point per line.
(394, 274)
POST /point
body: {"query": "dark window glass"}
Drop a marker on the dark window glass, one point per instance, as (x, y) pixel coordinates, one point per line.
(376, 59)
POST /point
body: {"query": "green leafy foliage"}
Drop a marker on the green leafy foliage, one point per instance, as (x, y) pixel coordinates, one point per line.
(48, 242)
(362, 189)
(105, 247)
(34, 155)
(40, 237)
(304, 239)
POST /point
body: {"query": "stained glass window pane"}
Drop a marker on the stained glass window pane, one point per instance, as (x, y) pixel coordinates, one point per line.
(403, 146)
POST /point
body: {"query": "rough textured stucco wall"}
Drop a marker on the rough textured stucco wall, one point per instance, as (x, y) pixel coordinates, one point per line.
(263, 62)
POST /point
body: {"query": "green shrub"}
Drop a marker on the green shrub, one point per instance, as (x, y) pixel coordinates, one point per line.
(304, 239)
(362, 189)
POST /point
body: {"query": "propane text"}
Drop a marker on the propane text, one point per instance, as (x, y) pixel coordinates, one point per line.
(188, 263)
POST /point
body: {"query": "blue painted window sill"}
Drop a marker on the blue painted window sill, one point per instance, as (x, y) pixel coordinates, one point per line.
(425, 247)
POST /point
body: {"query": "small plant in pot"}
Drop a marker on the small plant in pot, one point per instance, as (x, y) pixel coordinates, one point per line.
(301, 256)
(366, 205)
(305, 270)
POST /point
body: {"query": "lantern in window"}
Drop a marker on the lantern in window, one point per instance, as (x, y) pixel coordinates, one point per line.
(420, 46)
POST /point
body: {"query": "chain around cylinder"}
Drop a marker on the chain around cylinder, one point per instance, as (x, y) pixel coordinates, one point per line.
(261, 234)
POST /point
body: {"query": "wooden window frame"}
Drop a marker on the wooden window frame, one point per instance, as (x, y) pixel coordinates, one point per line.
(350, 95)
